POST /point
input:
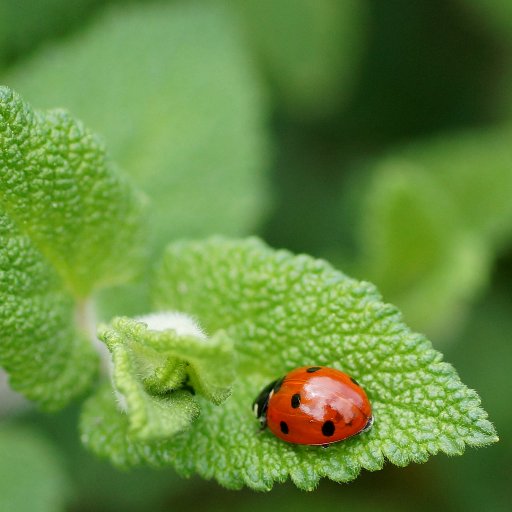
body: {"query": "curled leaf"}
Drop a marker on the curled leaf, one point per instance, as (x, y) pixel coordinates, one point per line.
(154, 370)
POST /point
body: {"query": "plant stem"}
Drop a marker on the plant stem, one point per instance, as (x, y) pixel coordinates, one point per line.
(86, 320)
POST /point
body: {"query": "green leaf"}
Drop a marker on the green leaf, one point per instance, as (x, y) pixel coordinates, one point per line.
(311, 50)
(151, 366)
(59, 187)
(48, 360)
(150, 416)
(65, 218)
(495, 15)
(285, 311)
(25, 23)
(179, 105)
(479, 478)
(32, 478)
(429, 231)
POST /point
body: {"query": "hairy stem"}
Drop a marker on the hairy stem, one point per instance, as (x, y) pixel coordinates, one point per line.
(86, 320)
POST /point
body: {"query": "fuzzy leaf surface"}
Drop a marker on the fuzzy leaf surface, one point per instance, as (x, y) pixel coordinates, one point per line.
(285, 311)
(58, 186)
(47, 358)
(65, 216)
(150, 367)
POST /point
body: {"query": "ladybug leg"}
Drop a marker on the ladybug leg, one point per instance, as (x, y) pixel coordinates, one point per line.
(262, 429)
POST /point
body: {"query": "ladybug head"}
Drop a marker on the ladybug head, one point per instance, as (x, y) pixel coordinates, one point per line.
(260, 405)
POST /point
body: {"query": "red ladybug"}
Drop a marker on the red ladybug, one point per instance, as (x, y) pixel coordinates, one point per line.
(314, 405)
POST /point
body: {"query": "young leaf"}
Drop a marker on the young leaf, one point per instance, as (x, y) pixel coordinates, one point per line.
(151, 366)
(65, 217)
(284, 311)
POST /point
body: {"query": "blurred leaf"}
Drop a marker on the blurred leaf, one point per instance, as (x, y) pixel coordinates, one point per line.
(478, 482)
(435, 215)
(96, 485)
(31, 476)
(171, 88)
(498, 13)
(287, 498)
(285, 311)
(66, 217)
(311, 50)
(24, 23)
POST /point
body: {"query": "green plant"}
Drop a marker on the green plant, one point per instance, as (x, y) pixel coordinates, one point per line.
(236, 313)
(429, 231)
(27, 456)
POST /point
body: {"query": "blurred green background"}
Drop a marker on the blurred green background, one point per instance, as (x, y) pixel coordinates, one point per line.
(375, 134)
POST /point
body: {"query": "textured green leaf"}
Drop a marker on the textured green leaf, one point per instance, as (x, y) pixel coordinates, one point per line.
(32, 478)
(151, 366)
(59, 188)
(430, 229)
(179, 106)
(150, 416)
(65, 218)
(47, 359)
(284, 311)
(311, 50)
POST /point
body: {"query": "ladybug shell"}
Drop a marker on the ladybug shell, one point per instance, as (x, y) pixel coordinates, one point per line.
(317, 406)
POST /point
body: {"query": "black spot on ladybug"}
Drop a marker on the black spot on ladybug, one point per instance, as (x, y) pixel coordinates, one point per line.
(328, 428)
(314, 369)
(278, 384)
(295, 400)
(284, 427)
(355, 381)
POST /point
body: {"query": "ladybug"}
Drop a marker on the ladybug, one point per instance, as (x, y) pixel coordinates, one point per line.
(314, 405)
